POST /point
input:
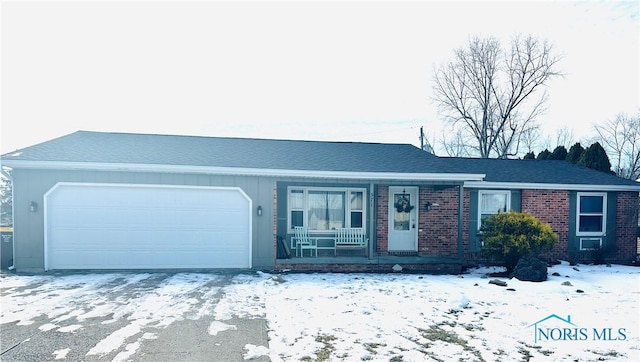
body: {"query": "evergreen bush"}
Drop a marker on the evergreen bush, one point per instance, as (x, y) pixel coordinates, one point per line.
(509, 236)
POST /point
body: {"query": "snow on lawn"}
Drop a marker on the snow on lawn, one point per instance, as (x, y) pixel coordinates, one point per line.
(408, 317)
(581, 313)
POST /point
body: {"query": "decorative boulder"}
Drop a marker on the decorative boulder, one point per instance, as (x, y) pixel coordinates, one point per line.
(498, 282)
(530, 269)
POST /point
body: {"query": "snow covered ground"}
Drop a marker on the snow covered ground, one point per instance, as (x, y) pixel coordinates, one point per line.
(585, 313)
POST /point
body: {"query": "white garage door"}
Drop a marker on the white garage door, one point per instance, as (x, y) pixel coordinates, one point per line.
(110, 226)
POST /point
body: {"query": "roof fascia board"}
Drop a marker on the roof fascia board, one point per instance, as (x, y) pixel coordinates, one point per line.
(537, 186)
(239, 171)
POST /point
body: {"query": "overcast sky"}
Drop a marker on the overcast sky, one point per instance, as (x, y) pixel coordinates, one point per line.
(346, 71)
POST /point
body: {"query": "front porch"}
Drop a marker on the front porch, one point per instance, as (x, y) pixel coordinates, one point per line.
(374, 227)
(375, 264)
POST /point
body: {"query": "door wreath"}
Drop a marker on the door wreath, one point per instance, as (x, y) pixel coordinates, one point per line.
(403, 204)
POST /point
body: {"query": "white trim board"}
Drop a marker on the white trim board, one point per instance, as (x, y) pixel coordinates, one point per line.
(539, 186)
(239, 171)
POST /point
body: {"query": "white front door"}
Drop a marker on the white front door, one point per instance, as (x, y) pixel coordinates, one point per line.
(403, 218)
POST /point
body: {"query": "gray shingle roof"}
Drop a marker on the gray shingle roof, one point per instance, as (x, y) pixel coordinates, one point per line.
(149, 149)
(535, 171)
(125, 148)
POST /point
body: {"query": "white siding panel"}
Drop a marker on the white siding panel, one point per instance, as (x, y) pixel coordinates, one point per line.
(110, 226)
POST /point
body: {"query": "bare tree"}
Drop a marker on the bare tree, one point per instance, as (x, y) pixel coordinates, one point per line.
(495, 96)
(620, 137)
(565, 136)
(530, 139)
(455, 145)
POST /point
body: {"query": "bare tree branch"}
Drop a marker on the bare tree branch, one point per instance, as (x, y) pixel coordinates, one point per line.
(620, 137)
(455, 145)
(565, 137)
(495, 96)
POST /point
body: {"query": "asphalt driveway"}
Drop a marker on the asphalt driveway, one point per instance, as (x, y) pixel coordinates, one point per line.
(127, 316)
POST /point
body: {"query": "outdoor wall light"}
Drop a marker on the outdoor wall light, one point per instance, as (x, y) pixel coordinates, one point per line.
(33, 206)
(259, 210)
(428, 206)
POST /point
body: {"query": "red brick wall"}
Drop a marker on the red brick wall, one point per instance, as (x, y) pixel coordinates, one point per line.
(551, 207)
(626, 226)
(382, 224)
(433, 267)
(439, 235)
(440, 225)
(465, 226)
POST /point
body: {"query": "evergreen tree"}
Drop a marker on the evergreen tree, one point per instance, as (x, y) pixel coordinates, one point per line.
(596, 158)
(529, 156)
(544, 155)
(559, 153)
(575, 152)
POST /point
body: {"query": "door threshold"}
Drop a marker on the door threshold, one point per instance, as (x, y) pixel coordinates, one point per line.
(403, 253)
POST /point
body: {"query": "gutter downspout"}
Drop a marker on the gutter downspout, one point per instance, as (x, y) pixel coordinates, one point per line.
(13, 236)
(373, 219)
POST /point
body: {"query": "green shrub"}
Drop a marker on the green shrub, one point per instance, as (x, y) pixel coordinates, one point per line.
(509, 236)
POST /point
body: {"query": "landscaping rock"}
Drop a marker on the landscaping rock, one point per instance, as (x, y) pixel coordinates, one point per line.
(556, 274)
(567, 283)
(498, 282)
(531, 269)
(579, 291)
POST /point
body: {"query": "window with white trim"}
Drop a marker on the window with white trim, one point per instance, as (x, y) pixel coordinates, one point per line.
(590, 243)
(491, 202)
(325, 209)
(591, 215)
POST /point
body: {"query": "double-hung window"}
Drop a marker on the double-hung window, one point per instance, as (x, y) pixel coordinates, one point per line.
(491, 202)
(325, 209)
(591, 218)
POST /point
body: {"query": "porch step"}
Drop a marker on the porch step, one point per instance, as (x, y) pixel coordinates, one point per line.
(403, 253)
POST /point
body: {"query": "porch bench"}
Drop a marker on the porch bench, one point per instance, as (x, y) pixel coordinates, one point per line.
(351, 238)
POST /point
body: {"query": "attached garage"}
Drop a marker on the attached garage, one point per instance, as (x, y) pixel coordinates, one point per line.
(132, 226)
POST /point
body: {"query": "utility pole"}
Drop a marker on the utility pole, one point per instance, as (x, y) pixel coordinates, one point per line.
(424, 143)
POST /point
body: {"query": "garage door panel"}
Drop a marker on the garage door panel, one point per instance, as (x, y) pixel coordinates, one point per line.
(132, 227)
